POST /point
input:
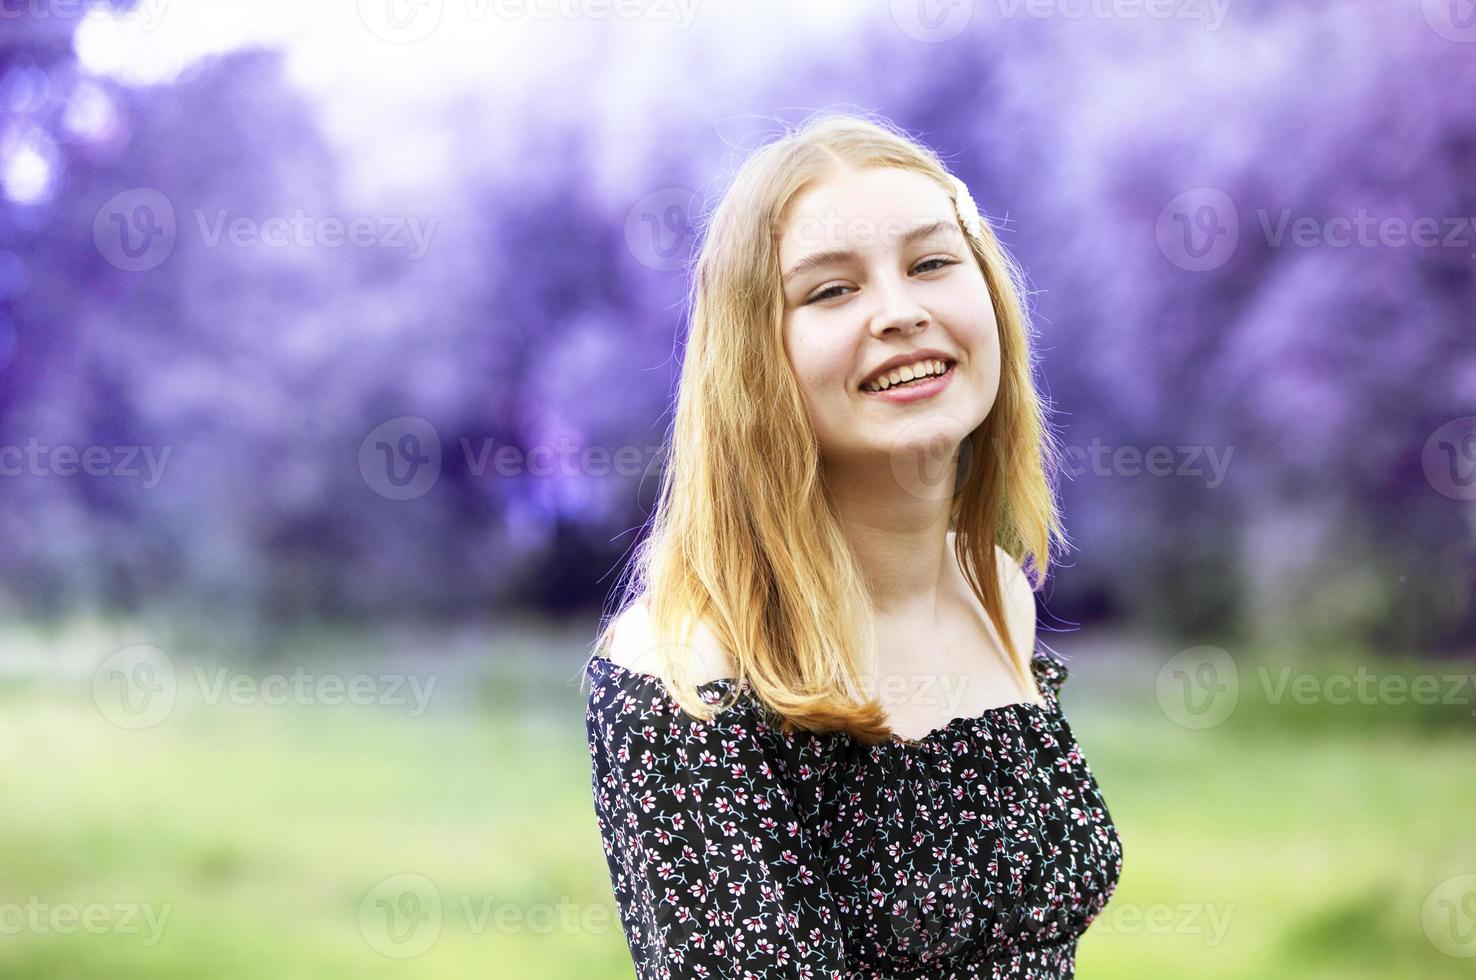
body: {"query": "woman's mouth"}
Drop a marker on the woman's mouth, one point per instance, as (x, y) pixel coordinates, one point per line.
(911, 383)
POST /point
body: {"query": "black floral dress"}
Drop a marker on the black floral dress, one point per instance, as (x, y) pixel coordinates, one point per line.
(982, 850)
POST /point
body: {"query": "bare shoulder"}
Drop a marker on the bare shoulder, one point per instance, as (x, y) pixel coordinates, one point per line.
(1019, 599)
(635, 646)
(1012, 575)
(1012, 578)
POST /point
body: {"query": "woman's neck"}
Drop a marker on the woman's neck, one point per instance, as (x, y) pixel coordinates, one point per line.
(900, 540)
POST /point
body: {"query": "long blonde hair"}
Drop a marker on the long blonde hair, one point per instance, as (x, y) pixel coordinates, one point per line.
(744, 536)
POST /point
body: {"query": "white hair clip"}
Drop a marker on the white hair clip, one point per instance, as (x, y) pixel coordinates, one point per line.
(968, 211)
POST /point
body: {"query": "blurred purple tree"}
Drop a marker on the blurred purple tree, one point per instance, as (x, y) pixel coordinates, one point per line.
(1299, 383)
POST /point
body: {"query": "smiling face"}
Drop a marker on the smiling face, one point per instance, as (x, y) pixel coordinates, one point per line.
(876, 271)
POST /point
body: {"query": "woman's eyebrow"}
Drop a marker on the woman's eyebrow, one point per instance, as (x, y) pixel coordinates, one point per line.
(834, 256)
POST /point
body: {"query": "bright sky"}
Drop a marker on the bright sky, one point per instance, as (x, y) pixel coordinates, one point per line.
(379, 70)
(445, 41)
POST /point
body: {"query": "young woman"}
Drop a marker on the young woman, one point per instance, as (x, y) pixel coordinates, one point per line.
(825, 743)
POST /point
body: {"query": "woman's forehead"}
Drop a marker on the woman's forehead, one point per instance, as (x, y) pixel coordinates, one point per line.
(861, 210)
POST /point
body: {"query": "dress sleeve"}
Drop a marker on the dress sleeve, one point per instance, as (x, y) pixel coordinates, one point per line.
(710, 867)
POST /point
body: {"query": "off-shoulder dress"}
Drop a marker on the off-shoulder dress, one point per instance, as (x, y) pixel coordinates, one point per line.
(982, 850)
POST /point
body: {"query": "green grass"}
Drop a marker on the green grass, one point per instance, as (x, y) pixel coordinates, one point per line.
(262, 829)
(1313, 833)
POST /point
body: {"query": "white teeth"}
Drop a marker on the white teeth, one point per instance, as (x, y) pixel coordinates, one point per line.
(910, 372)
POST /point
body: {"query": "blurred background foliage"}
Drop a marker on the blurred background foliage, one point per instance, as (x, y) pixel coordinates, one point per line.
(559, 167)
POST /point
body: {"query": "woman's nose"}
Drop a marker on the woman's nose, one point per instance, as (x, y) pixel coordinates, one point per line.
(897, 310)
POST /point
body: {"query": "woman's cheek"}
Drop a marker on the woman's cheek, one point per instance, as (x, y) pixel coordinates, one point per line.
(821, 369)
(833, 377)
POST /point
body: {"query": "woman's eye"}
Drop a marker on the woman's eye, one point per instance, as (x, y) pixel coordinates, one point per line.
(822, 294)
(922, 266)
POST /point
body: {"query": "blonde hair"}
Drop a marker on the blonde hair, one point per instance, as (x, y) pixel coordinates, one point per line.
(744, 536)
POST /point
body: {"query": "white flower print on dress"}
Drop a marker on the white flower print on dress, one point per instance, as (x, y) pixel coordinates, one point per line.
(980, 852)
